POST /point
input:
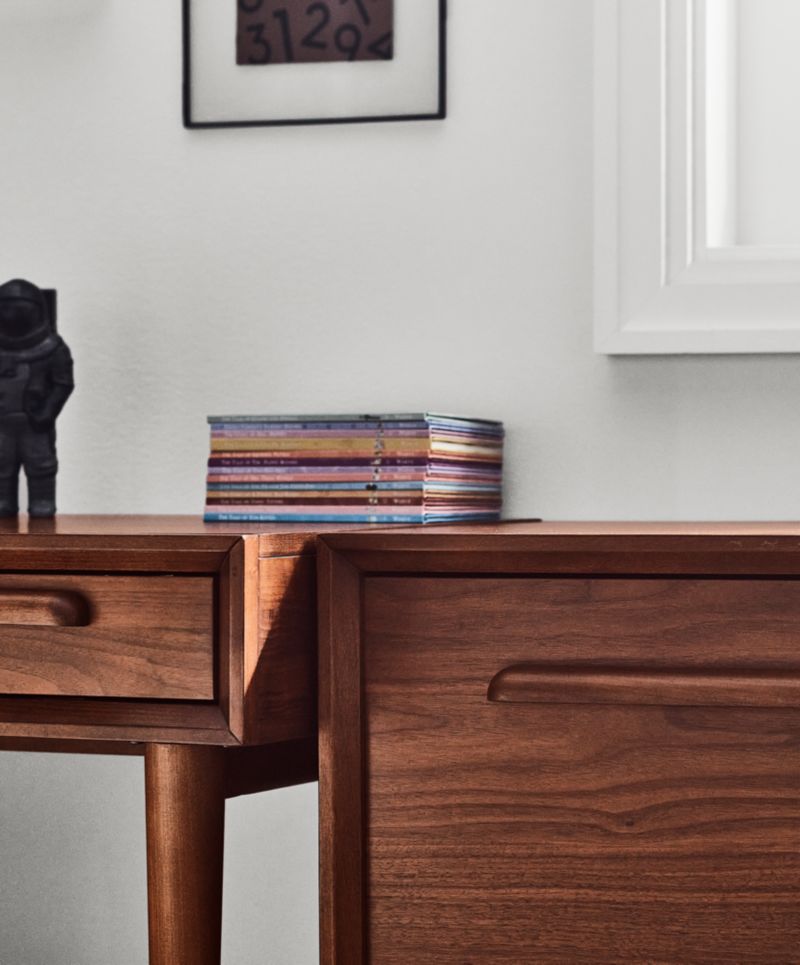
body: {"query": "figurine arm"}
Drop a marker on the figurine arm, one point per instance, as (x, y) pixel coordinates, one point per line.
(62, 384)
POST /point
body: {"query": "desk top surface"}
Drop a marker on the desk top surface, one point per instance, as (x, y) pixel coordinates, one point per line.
(293, 538)
(164, 525)
(132, 530)
(154, 525)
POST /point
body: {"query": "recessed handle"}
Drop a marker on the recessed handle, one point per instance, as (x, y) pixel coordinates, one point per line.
(540, 684)
(43, 608)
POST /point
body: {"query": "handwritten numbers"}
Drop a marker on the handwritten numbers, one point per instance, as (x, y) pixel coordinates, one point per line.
(296, 31)
(348, 41)
(324, 13)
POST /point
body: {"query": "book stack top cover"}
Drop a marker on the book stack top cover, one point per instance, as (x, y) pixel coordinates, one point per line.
(400, 468)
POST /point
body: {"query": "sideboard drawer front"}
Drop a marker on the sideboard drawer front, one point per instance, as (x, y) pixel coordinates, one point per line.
(554, 832)
(107, 636)
(465, 631)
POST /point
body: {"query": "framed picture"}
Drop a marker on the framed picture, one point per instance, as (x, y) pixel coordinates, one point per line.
(250, 63)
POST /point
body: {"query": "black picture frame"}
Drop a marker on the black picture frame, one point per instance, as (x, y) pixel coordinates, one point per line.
(195, 119)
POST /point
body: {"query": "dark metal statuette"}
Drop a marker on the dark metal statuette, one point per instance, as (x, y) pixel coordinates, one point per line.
(35, 382)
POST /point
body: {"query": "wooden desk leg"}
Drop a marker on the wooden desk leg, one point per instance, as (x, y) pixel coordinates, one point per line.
(185, 795)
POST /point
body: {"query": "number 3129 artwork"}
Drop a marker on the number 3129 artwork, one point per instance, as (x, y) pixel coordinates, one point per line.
(300, 31)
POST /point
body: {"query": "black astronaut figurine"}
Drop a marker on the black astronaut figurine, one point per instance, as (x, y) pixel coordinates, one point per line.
(35, 382)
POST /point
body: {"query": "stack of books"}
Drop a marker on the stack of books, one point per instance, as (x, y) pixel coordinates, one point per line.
(417, 468)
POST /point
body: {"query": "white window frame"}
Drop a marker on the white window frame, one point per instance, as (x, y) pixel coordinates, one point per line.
(668, 278)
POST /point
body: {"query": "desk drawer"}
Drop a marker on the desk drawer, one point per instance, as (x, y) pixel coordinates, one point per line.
(107, 636)
(581, 770)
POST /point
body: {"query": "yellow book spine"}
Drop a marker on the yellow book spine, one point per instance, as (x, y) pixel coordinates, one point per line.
(367, 446)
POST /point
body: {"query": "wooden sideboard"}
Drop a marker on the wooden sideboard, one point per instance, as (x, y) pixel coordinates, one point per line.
(189, 643)
(560, 743)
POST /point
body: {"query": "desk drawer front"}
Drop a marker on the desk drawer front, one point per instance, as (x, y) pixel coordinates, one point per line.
(535, 825)
(107, 636)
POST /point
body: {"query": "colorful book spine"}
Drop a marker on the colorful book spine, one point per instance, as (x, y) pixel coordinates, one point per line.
(407, 467)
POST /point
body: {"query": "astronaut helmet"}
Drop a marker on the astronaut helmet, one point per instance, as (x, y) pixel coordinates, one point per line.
(23, 315)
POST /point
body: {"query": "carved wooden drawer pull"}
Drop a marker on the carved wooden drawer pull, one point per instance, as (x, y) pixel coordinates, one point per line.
(43, 608)
(541, 684)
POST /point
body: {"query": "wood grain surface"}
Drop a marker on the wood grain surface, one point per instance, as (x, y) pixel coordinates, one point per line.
(670, 549)
(185, 798)
(663, 624)
(524, 832)
(342, 881)
(94, 719)
(532, 683)
(163, 527)
(203, 633)
(281, 657)
(237, 610)
(43, 608)
(632, 791)
(145, 636)
(177, 544)
(177, 639)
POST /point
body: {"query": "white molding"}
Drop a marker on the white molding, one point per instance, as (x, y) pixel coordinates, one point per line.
(716, 56)
(669, 277)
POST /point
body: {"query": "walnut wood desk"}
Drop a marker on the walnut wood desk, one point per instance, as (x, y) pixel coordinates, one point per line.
(560, 743)
(192, 644)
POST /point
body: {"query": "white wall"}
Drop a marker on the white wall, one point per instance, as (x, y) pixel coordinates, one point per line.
(441, 264)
